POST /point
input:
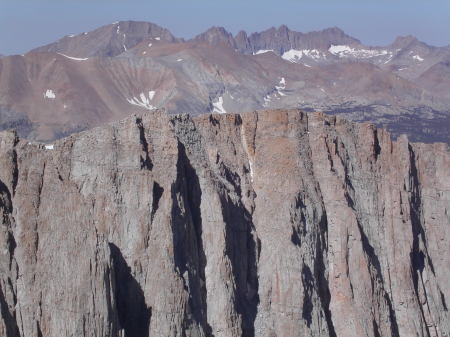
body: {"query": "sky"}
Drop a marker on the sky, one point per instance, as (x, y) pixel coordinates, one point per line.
(26, 24)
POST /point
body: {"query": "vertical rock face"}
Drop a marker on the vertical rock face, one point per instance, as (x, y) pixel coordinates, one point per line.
(276, 223)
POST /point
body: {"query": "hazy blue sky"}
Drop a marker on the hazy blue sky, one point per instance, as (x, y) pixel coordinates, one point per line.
(27, 24)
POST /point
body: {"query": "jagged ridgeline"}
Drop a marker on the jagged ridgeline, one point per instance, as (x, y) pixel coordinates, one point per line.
(83, 81)
(272, 223)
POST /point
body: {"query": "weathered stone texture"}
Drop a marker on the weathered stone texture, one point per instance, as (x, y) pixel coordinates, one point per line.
(273, 223)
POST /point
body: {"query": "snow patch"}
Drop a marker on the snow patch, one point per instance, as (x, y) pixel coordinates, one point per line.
(149, 45)
(263, 51)
(418, 58)
(294, 55)
(49, 147)
(143, 101)
(118, 29)
(179, 60)
(49, 94)
(74, 58)
(71, 35)
(218, 106)
(347, 51)
(281, 87)
(157, 38)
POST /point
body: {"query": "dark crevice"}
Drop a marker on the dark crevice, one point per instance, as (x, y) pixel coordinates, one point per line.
(376, 329)
(444, 304)
(157, 192)
(134, 315)
(417, 256)
(295, 238)
(376, 144)
(38, 328)
(145, 162)
(187, 231)
(242, 248)
(12, 245)
(6, 208)
(308, 287)
(374, 262)
(319, 268)
(392, 316)
(12, 330)
(5, 198)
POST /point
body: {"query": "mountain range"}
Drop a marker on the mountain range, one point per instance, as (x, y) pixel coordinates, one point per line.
(82, 81)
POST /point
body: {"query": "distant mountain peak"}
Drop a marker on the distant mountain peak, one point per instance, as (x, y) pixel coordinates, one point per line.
(109, 40)
(216, 35)
(403, 41)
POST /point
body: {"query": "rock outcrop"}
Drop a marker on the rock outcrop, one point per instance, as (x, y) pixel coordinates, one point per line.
(273, 223)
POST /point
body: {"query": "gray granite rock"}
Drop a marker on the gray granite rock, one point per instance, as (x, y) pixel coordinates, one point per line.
(272, 223)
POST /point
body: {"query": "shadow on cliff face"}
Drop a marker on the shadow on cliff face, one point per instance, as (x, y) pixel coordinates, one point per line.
(12, 330)
(242, 248)
(187, 228)
(134, 316)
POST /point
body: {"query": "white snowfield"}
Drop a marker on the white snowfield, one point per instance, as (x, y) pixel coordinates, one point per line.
(49, 147)
(49, 94)
(267, 100)
(263, 51)
(218, 106)
(418, 58)
(294, 55)
(74, 58)
(281, 87)
(143, 101)
(347, 51)
(279, 90)
(157, 38)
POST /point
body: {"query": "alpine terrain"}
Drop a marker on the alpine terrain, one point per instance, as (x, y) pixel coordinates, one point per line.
(82, 81)
(270, 223)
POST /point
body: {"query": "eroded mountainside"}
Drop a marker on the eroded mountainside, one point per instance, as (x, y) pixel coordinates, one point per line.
(90, 79)
(273, 223)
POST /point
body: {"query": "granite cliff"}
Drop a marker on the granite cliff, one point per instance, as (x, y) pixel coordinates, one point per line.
(272, 223)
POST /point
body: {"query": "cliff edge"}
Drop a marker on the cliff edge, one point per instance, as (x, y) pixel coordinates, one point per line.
(271, 223)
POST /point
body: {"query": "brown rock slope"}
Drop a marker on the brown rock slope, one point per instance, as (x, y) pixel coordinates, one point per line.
(275, 223)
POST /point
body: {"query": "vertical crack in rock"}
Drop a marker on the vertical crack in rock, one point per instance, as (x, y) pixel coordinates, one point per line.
(157, 192)
(12, 330)
(374, 265)
(308, 286)
(376, 144)
(418, 255)
(134, 315)
(187, 239)
(241, 248)
(322, 279)
(145, 161)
